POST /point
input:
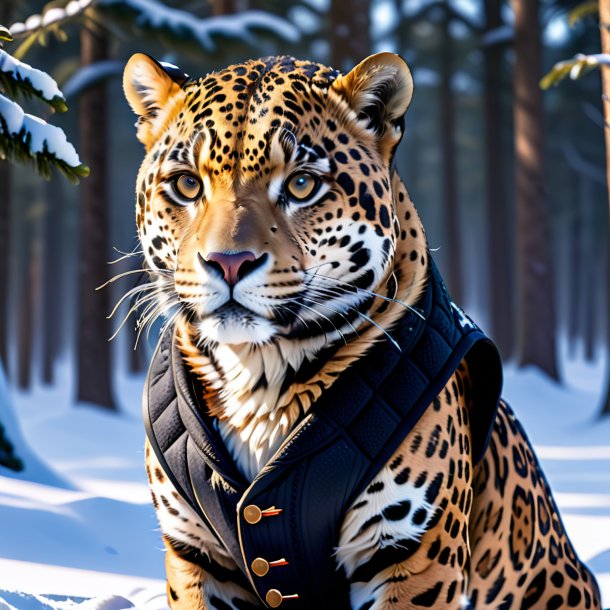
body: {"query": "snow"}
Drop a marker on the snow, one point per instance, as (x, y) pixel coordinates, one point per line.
(159, 16)
(82, 525)
(50, 17)
(43, 84)
(43, 138)
(156, 15)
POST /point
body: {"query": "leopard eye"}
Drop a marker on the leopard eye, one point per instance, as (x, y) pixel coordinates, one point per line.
(302, 186)
(187, 187)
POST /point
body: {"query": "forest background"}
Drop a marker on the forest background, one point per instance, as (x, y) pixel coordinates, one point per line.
(508, 172)
(511, 188)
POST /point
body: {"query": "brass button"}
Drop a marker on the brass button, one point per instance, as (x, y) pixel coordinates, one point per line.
(260, 566)
(273, 598)
(252, 514)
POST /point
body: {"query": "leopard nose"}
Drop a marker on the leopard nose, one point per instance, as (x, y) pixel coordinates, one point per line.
(234, 266)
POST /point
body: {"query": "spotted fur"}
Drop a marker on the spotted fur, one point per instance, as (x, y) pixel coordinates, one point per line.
(319, 281)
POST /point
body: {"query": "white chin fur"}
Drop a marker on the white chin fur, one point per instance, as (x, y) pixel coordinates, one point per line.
(234, 331)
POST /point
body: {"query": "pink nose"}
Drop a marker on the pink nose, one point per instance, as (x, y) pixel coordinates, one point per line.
(232, 266)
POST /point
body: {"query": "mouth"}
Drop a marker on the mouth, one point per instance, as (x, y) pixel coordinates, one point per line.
(232, 323)
(232, 309)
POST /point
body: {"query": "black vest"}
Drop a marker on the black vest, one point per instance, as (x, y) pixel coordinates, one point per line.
(294, 508)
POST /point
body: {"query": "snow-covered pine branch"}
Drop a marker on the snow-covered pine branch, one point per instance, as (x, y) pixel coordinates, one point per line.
(574, 68)
(174, 23)
(183, 27)
(53, 17)
(17, 76)
(25, 137)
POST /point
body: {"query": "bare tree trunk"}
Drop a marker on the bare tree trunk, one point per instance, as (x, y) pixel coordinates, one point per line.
(588, 272)
(401, 28)
(604, 22)
(536, 294)
(350, 32)
(450, 188)
(500, 269)
(575, 292)
(28, 296)
(50, 316)
(225, 7)
(94, 354)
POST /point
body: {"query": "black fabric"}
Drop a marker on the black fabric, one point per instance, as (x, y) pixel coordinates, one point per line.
(331, 455)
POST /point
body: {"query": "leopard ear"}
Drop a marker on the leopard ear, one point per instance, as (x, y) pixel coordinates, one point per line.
(149, 87)
(379, 89)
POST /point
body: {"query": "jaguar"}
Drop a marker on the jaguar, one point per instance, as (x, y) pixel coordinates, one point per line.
(284, 251)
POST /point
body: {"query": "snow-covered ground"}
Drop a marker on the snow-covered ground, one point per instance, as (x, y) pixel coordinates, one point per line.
(80, 524)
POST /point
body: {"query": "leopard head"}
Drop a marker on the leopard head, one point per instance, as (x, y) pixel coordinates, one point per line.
(267, 207)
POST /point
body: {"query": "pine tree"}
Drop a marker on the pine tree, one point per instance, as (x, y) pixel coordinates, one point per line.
(23, 137)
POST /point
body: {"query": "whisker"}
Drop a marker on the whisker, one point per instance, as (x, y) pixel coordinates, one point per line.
(150, 286)
(125, 255)
(122, 258)
(335, 311)
(317, 267)
(114, 278)
(133, 309)
(168, 323)
(163, 313)
(142, 322)
(326, 318)
(376, 325)
(133, 252)
(368, 319)
(351, 287)
(294, 313)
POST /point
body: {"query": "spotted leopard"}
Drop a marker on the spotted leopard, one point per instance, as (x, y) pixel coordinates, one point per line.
(274, 225)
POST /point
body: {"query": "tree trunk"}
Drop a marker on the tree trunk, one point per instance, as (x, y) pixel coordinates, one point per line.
(350, 32)
(500, 268)
(451, 214)
(94, 353)
(575, 266)
(227, 7)
(536, 294)
(402, 42)
(28, 296)
(51, 315)
(604, 22)
(588, 272)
